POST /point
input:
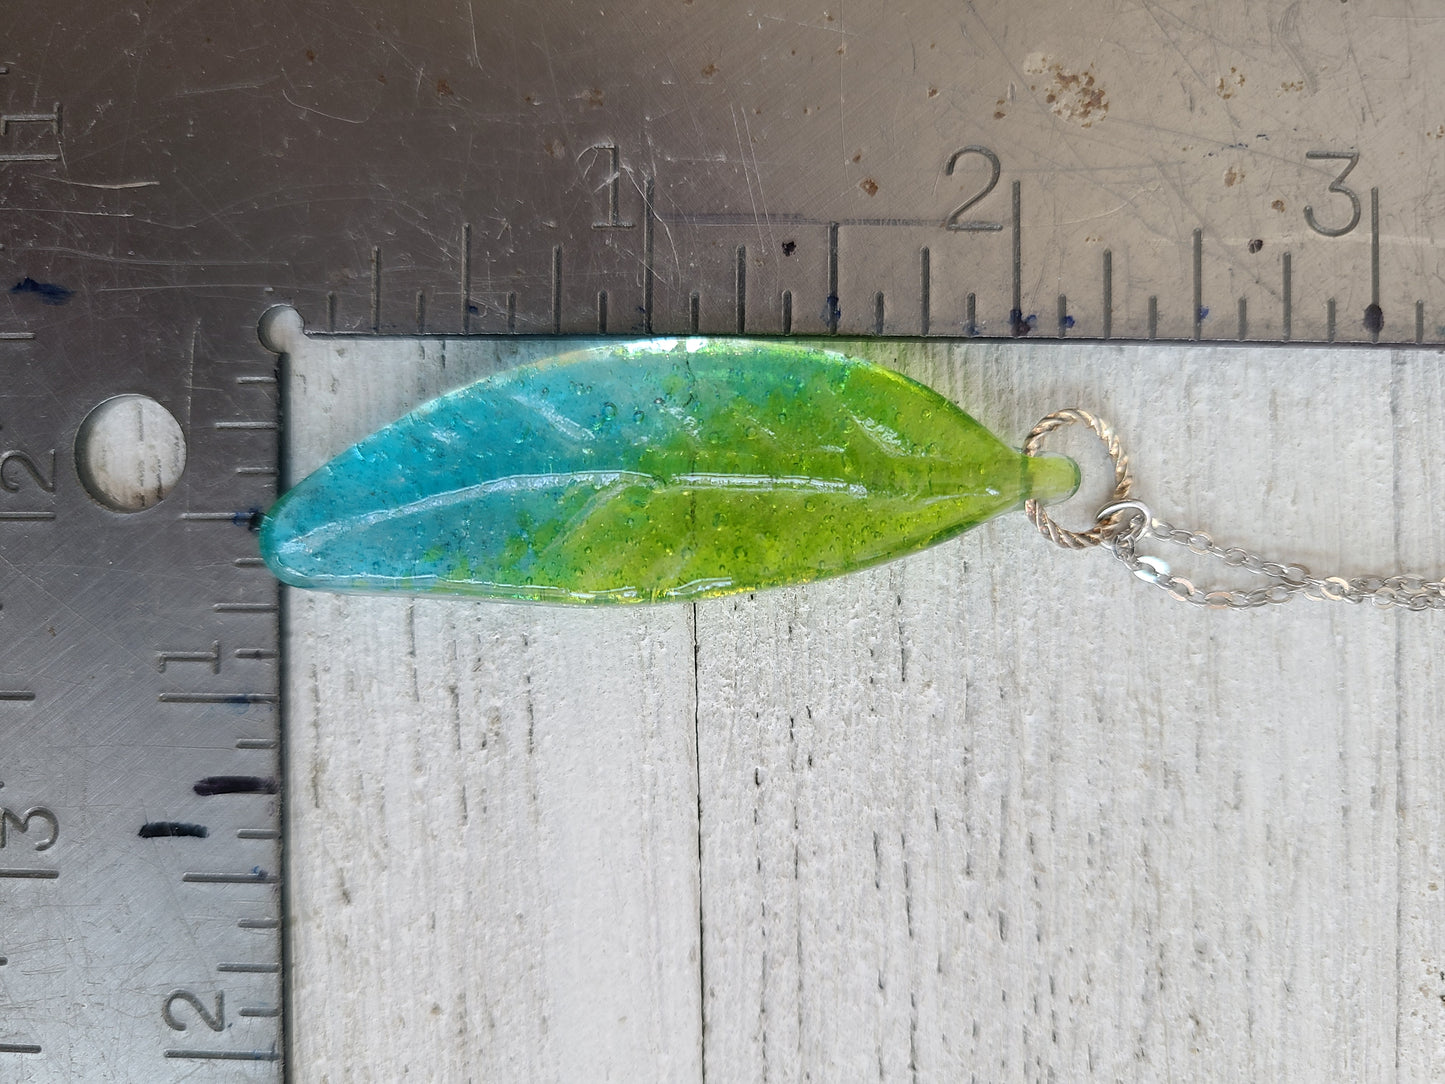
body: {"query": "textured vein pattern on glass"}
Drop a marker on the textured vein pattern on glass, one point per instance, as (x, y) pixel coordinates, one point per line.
(648, 471)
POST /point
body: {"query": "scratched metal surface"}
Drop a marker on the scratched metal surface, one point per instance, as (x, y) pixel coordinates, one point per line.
(1163, 169)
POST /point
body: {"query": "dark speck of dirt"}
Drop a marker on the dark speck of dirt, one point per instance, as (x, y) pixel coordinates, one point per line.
(1277, 205)
(381, 77)
(1256, 245)
(593, 98)
(858, 157)
(50, 293)
(1374, 319)
(709, 71)
(444, 88)
(869, 185)
(789, 247)
(933, 92)
(311, 56)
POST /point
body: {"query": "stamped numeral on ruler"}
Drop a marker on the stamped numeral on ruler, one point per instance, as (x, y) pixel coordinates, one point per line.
(30, 137)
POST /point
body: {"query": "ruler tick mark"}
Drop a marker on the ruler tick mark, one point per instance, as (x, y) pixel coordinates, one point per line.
(256, 743)
(602, 312)
(511, 312)
(833, 310)
(259, 1011)
(1065, 320)
(1330, 320)
(375, 288)
(421, 312)
(244, 425)
(1018, 326)
(1287, 319)
(257, 833)
(970, 317)
(1419, 322)
(240, 519)
(878, 313)
(331, 312)
(1153, 316)
(1243, 319)
(248, 562)
(1199, 309)
(19, 1048)
(253, 652)
(467, 278)
(218, 698)
(740, 289)
(18, 696)
(787, 312)
(27, 517)
(244, 607)
(925, 289)
(260, 877)
(259, 924)
(16, 336)
(648, 271)
(250, 969)
(226, 1055)
(556, 289)
(20, 873)
(1108, 293)
(1374, 315)
(694, 305)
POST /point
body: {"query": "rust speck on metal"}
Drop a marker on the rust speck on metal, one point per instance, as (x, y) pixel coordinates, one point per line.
(1071, 95)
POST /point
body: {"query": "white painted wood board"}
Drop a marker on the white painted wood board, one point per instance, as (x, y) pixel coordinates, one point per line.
(997, 811)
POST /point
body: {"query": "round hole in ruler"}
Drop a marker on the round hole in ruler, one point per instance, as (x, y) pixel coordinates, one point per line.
(129, 452)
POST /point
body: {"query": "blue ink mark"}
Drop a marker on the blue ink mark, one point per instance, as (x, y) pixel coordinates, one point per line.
(250, 519)
(234, 784)
(1203, 311)
(1067, 322)
(1020, 324)
(831, 312)
(163, 829)
(50, 293)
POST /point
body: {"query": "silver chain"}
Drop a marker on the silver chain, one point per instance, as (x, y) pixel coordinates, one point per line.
(1124, 522)
(1132, 521)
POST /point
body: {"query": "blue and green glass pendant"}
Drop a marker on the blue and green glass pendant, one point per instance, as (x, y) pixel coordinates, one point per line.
(651, 471)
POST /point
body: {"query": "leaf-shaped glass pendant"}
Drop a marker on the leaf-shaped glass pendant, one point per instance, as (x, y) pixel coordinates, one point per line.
(647, 471)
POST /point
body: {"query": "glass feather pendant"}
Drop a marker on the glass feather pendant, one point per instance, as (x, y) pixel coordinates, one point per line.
(668, 469)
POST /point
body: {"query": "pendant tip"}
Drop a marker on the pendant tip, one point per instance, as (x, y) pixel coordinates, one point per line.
(1050, 477)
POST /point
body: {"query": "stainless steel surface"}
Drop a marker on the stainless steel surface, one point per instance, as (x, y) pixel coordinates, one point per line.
(167, 171)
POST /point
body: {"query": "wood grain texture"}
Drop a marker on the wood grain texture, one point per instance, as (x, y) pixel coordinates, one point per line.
(994, 812)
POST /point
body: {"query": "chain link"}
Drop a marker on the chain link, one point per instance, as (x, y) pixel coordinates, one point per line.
(1127, 522)
(1122, 524)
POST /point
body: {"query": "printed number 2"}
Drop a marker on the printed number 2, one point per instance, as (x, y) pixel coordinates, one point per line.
(995, 168)
(215, 1022)
(1337, 185)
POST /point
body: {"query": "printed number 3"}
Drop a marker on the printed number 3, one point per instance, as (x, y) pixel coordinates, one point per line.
(1337, 185)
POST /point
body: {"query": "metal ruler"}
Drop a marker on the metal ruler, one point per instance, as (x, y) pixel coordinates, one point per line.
(1195, 171)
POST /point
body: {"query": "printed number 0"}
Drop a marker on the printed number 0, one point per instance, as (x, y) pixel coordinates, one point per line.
(215, 1023)
(995, 168)
(1337, 185)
